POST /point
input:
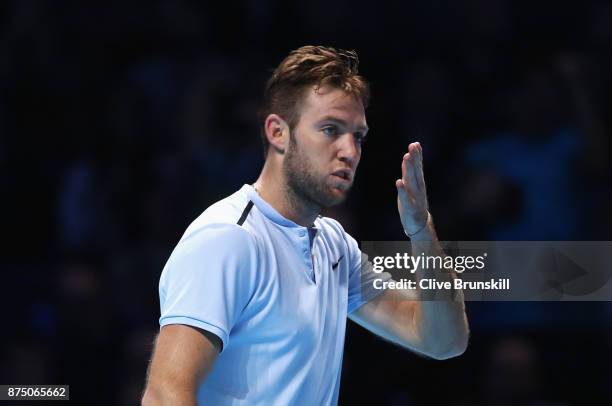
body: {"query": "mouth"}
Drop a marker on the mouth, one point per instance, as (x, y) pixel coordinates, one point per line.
(344, 174)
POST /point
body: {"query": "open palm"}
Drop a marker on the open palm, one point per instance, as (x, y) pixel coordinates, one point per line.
(411, 191)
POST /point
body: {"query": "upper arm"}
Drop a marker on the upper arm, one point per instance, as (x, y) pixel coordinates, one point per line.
(182, 358)
(391, 316)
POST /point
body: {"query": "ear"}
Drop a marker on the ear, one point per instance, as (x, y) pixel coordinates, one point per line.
(277, 132)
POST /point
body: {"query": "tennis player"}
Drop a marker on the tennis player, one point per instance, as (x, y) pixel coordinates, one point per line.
(255, 296)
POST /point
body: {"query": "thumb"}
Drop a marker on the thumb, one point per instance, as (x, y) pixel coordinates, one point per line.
(402, 193)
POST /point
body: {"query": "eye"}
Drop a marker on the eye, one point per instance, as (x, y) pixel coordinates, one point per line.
(330, 130)
(360, 138)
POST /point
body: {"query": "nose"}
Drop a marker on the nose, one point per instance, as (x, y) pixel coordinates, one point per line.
(349, 149)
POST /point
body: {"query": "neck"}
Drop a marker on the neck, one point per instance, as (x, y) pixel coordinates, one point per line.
(273, 188)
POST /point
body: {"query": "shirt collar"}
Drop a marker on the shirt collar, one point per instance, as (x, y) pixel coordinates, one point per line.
(270, 212)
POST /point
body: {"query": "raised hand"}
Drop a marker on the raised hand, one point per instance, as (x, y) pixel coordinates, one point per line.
(411, 192)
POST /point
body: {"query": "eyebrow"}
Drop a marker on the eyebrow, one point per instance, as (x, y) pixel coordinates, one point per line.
(340, 121)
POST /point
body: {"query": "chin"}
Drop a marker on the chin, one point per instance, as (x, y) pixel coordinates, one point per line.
(335, 196)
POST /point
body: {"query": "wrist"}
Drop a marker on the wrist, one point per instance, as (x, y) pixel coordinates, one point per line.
(425, 233)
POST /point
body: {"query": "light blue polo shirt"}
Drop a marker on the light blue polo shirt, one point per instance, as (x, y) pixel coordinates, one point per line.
(277, 297)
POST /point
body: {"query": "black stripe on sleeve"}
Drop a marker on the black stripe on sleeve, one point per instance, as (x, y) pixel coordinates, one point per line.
(245, 213)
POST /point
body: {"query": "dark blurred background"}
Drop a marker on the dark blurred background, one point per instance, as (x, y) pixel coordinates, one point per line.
(121, 121)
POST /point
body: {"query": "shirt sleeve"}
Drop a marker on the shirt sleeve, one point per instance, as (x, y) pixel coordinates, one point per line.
(361, 277)
(209, 279)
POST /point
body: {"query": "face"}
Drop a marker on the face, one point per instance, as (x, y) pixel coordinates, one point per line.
(325, 147)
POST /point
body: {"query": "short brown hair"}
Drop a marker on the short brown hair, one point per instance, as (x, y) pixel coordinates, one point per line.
(304, 67)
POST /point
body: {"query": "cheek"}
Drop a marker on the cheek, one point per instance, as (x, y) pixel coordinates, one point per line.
(358, 159)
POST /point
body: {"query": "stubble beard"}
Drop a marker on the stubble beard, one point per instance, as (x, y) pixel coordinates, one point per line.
(303, 187)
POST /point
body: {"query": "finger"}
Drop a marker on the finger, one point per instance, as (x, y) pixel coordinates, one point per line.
(412, 169)
(420, 175)
(418, 153)
(407, 175)
(402, 193)
(404, 159)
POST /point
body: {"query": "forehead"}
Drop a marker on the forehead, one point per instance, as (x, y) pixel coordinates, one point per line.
(329, 101)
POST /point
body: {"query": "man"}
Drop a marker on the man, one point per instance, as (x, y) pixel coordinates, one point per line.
(255, 296)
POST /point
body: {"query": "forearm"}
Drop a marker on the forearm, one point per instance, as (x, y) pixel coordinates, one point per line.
(157, 396)
(442, 322)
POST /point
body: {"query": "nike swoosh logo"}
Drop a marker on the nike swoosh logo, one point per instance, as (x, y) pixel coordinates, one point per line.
(334, 266)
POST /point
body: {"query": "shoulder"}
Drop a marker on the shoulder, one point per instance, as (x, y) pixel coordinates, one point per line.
(216, 250)
(217, 238)
(220, 230)
(225, 216)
